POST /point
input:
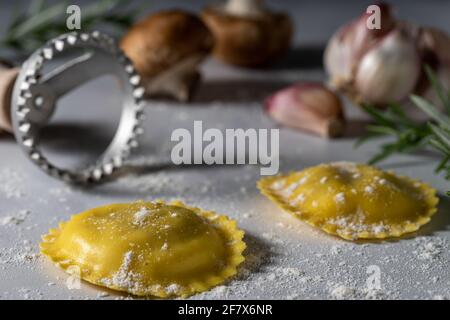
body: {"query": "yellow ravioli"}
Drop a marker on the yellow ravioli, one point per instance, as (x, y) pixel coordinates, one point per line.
(353, 200)
(148, 248)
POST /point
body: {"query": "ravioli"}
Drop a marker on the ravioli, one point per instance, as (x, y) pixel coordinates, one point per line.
(148, 248)
(353, 201)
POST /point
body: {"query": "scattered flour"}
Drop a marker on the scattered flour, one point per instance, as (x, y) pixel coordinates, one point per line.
(125, 278)
(290, 189)
(298, 199)
(15, 219)
(278, 185)
(288, 267)
(342, 292)
(19, 255)
(61, 194)
(173, 289)
(11, 185)
(155, 183)
(428, 248)
(139, 217)
(340, 197)
(102, 295)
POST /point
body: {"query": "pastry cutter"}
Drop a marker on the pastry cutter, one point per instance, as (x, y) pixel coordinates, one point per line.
(35, 94)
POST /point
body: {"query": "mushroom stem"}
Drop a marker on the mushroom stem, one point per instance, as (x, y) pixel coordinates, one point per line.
(167, 48)
(178, 82)
(244, 8)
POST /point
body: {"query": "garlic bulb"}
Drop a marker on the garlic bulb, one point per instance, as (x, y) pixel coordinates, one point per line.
(385, 65)
(350, 43)
(308, 106)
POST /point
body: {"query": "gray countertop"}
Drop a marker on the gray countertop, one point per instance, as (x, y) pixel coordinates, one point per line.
(285, 258)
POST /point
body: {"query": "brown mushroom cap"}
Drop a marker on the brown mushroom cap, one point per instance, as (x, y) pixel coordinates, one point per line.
(164, 39)
(8, 76)
(248, 41)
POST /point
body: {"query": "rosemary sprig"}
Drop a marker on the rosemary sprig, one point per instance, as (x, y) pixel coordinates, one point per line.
(410, 135)
(32, 27)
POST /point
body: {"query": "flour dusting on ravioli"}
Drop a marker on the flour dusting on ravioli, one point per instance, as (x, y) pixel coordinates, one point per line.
(148, 248)
(353, 201)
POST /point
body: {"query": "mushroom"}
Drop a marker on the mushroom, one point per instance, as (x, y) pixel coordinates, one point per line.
(166, 49)
(247, 33)
(8, 75)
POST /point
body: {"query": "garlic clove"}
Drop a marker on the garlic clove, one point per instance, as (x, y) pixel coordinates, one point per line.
(390, 71)
(310, 107)
(386, 65)
(350, 43)
(338, 60)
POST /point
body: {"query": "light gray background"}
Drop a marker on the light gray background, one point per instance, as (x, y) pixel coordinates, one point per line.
(285, 258)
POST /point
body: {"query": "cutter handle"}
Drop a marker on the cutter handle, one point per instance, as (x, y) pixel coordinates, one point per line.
(7, 78)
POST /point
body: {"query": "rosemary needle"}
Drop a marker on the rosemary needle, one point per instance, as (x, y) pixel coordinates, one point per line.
(32, 27)
(410, 135)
